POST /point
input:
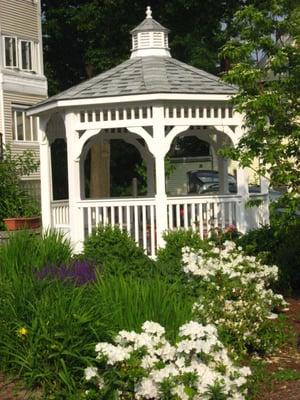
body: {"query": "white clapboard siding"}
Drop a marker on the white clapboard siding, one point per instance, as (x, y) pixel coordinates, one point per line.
(20, 17)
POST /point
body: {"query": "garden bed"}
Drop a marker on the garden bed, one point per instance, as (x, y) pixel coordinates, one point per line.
(62, 308)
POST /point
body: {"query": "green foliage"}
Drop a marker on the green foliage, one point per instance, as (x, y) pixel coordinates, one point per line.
(169, 258)
(48, 329)
(117, 252)
(264, 54)
(15, 202)
(278, 244)
(25, 251)
(127, 302)
(286, 375)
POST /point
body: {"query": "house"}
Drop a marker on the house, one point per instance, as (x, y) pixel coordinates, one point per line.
(22, 80)
(148, 101)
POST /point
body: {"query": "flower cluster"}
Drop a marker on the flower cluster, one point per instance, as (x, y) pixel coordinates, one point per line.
(79, 272)
(146, 366)
(235, 293)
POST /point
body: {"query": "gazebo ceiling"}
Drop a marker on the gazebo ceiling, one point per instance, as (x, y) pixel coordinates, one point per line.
(150, 70)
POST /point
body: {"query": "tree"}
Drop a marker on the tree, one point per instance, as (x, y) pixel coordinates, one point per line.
(264, 56)
(86, 37)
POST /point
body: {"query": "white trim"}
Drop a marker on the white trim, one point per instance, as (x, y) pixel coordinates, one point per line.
(2, 128)
(128, 99)
(31, 48)
(152, 51)
(21, 108)
(16, 51)
(39, 47)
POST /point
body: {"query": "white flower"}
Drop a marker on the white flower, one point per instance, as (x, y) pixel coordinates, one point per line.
(146, 389)
(153, 328)
(90, 372)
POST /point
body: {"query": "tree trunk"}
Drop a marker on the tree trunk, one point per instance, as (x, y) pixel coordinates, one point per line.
(100, 169)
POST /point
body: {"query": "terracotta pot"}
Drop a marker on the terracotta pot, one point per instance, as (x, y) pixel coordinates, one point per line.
(15, 224)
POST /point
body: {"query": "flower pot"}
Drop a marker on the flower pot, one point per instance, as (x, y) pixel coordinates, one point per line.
(15, 224)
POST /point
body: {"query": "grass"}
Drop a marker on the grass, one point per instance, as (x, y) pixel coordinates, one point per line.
(286, 375)
(127, 302)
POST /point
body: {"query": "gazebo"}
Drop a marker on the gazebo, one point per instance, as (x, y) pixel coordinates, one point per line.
(147, 101)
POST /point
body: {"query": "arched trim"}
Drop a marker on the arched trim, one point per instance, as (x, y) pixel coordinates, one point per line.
(140, 131)
(171, 136)
(88, 134)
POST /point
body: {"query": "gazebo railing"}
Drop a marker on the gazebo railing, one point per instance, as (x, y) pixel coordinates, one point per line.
(203, 213)
(60, 213)
(257, 216)
(136, 216)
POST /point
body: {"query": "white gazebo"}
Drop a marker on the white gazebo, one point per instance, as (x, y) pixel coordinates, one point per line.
(147, 101)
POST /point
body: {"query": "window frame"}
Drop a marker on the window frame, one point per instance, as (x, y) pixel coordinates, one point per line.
(22, 108)
(31, 53)
(33, 49)
(16, 51)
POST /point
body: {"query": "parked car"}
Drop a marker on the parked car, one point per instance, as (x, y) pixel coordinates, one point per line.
(207, 182)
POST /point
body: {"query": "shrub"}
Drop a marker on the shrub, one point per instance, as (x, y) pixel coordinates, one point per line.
(277, 244)
(235, 296)
(169, 258)
(117, 252)
(15, 202)
(146, 366)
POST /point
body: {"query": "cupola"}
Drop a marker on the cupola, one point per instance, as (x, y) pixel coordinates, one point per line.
(150, 38)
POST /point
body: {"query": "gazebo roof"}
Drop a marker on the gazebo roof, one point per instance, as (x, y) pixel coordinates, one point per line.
(150, 70)
(149, 24)
(147, 75)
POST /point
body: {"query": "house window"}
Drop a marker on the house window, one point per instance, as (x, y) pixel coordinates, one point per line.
(19, 53)
(25, 55)
(24, 128)
(10, 48)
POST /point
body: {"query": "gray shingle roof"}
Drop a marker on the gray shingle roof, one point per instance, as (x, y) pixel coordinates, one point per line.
(149, 25)
(146, 75)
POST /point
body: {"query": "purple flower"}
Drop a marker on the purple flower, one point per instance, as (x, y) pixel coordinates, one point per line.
(79, 272)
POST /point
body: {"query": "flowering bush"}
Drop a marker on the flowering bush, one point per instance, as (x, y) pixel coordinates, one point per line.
(235, 295)
(146, 366)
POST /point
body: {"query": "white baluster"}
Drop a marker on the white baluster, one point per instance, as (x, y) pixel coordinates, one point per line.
(152, 229)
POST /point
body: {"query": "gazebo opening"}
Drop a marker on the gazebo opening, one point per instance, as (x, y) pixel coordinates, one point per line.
(114, 169)
(59, 163)
(187, 154)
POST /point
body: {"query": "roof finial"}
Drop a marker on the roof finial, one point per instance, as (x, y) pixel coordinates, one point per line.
(149, 12)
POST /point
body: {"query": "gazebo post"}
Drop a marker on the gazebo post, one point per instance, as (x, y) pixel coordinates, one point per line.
(75, 185)
(45, 171)
(243, 191)
(222, 168)
(159, 156)
(150, 176)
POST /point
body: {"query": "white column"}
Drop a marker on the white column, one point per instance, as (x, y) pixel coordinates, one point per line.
(243, 191)
(264, 189)
(45, 172)
(75, 186)
(264, 185)
(222, 168)
(159, 155)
